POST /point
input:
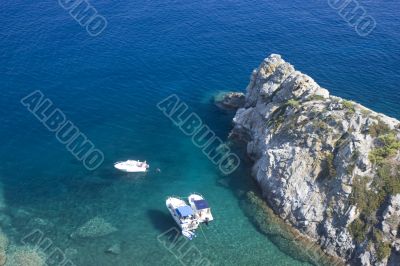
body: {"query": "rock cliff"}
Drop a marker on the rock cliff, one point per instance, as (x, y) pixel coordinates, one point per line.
(328, 166)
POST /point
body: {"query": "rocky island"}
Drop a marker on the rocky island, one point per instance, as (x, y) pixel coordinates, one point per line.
(329, 167)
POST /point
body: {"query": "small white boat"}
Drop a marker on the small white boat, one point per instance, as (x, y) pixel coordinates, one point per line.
(183, 215)
(132, 166)
(201, 208)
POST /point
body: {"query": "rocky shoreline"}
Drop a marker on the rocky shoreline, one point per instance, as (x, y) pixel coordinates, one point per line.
(287, 238)
(327, 166)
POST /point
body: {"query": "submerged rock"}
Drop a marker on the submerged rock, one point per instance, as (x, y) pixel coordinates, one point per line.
(3, 247)
(25, 256)
(3, 240)
(325, 165)
(95, 227)
(71, 253)
(114, 249)
(229, 100)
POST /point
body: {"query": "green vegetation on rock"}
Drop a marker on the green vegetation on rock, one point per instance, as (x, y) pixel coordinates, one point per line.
(320, 125)
(328, 170)
(367, 200)
(369, 194)
(358, 230)
(293, 103)
(383, 248)
(388, 146)
(365, 112)
(389, 177)
(278, 117)
(316, 97)
(379, 129)
(352, 164)
(330, 166)
(349, 106)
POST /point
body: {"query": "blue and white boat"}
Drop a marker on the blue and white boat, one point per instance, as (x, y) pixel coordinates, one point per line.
(183, 215)
(201, 208)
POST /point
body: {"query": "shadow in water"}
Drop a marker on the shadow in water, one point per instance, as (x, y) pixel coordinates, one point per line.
(162, 221)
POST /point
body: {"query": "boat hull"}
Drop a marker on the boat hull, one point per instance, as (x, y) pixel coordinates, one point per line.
(131, 166)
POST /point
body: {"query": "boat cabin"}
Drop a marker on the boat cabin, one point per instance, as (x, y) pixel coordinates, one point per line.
(184, 211)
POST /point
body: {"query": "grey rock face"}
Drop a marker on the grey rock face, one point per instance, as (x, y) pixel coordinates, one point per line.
(391, 219)
(308, 147)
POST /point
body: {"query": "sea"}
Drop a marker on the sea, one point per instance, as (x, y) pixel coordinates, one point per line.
(107, 66)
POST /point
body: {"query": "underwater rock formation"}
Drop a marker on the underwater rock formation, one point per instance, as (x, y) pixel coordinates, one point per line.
(95, 227)
(327, 166)
(25, 256)
(3, 247)
(115, 249)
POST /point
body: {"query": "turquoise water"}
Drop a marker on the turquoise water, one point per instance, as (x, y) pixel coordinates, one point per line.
(109, 86)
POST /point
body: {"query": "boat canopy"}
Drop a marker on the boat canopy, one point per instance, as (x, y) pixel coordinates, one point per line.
(201, 204)
(184, 211)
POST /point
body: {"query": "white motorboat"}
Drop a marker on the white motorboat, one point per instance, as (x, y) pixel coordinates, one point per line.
(183, 215)
(132, 166)
(201, 208)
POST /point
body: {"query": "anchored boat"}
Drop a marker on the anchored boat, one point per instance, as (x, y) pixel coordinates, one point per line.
(183, 215)
(132, 166)
(201, 208)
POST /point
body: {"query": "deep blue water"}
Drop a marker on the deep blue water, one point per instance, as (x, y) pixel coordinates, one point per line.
(109, 86)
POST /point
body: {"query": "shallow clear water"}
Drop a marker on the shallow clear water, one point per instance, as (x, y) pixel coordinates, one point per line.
(109, 86)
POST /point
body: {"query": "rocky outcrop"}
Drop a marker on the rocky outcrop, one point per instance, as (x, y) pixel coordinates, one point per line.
(326, 165)
(230, 100)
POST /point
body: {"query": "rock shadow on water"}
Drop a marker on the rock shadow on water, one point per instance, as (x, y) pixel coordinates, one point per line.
(162, 221)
